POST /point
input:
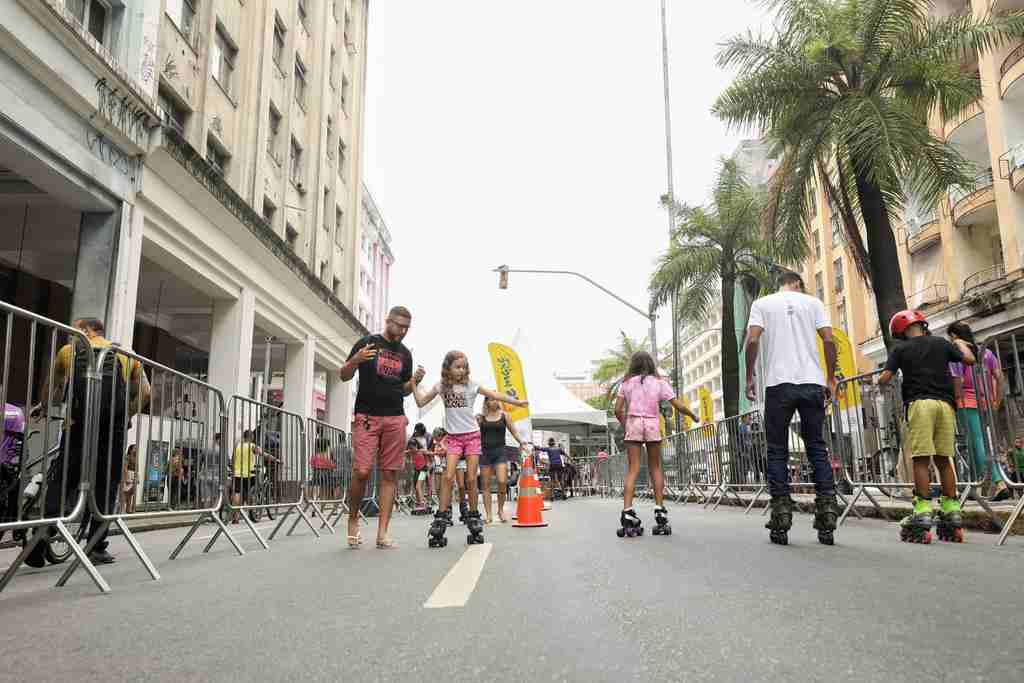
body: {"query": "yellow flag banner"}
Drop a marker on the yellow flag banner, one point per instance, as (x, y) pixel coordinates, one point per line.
(509, 379)
(846, 367)
(707, 406)
(687, 420)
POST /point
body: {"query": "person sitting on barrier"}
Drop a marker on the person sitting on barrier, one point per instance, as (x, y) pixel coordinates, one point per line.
(122, 382)
(971, 403)
(931, 420)
(637, 410)
(386, 377)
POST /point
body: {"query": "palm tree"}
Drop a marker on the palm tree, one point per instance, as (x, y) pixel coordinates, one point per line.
(846, 88)
(611, 370)
(714, 249)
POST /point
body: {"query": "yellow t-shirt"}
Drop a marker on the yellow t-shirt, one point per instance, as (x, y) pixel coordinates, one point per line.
(64, 356)
(243, 460)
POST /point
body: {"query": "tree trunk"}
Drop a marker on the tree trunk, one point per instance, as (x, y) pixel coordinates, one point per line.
(883, 257)
(729, 350)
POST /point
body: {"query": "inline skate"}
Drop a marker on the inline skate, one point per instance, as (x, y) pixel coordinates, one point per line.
(661, 525)
(631, 525)
(950, 525)
(781, 520)
(475, 526)
(436, 537)
(917, 526)
(826, 514)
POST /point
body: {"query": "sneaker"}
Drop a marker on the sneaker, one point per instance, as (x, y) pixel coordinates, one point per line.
(101, 557)
(36, 559)
(1001, 496)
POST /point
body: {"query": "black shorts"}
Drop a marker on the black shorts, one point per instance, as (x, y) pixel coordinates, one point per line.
(557, 470)
(242, 485)
(491, 457)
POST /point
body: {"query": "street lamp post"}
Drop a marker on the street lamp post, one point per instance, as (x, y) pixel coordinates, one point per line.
(651, 316)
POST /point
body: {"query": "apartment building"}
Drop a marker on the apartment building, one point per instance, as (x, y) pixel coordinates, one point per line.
(961, 260)
(190, 171)
(375, 264)
(580, 384)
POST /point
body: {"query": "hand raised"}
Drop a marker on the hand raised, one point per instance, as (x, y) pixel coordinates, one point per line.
(366, 353)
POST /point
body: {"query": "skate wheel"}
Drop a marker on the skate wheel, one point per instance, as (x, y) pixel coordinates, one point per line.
(640, 531)
(826, 538)
(621, 533)
(958, 536)
(668, 531)
(444, 542)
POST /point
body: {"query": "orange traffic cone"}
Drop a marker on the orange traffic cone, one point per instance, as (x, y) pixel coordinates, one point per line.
(530, 503)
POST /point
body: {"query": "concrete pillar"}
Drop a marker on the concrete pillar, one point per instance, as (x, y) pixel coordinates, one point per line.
(231, 344)
(339, 400)
(299, 365)
(125, 294)
(97, 248)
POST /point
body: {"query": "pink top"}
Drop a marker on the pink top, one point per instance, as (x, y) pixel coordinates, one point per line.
(642, 395)
(989, 367)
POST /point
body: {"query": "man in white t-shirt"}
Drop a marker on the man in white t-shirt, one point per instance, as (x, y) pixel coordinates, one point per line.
(787, 324)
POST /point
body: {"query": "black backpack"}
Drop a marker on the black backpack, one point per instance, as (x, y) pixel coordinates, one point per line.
(112, 391)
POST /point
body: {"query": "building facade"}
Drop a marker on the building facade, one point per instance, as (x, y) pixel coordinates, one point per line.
(580, 384)
(190, 171)
(375, 261)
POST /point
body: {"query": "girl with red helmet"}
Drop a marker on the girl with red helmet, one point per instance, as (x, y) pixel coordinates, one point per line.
(931, 420)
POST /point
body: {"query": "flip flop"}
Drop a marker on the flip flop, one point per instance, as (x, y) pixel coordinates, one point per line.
(355, 541)
(386, 544)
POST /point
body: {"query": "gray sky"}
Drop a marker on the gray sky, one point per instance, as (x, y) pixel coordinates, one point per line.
(532, 133)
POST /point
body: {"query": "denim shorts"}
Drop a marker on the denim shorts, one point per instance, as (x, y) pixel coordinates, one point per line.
(494, 456)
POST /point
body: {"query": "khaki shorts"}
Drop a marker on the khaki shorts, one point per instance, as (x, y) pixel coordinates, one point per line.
(931, 429)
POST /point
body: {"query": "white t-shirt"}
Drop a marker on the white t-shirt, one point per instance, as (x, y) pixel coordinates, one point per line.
(789, 346)
(458, 407)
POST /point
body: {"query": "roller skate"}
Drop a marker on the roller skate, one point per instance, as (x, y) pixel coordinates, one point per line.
(781, 519)
(631, 524)
(436, 537)
(463, 511)
(826, 513)
(449, 517)
(950, 525)
(475, 526)
(661, 525)
(917, 526)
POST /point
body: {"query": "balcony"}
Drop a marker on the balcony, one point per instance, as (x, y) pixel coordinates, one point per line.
(977, 281)
(922, 231)
(1010, 72)
(975, 204)
(1005, 5)
(1011, 166)
(972, 113)
(929, 296)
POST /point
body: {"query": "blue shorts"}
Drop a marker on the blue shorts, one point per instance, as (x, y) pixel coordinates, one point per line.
(493, 456)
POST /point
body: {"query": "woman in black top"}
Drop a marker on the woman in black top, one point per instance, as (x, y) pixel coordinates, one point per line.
(493, 425)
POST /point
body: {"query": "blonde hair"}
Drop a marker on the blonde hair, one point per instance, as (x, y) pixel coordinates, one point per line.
(446, 368)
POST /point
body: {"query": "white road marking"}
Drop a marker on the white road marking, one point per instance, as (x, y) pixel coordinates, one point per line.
(456, 587)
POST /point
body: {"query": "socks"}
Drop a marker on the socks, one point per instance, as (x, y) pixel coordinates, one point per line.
(949, 505)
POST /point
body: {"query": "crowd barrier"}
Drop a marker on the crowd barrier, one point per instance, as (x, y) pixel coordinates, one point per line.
(330, 470)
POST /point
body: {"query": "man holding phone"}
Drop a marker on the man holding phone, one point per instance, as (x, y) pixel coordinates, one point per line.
(386, 377)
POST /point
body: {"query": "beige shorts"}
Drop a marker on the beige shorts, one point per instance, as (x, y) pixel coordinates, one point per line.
(931, 429)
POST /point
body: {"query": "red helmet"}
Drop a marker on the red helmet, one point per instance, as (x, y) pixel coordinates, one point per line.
(904, 319)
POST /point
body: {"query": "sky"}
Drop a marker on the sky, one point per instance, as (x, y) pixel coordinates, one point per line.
(531, 133)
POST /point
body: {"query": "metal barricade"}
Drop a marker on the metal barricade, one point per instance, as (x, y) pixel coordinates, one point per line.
(46, 376)
(743, 456)
(700, 464)
(148, 418)
(330, 469)
(268, 462)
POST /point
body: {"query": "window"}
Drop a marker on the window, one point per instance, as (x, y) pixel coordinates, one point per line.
(330, 128)
(183, 14)
(339, 221)
(272, 137)
(216, 156)
(837, 231)
(341, 160)
(348, 32)
(269, 211)
(345, 88)
(295, 163)
(93, 15)
(841, 315)
(816, 241)
(336, 286)
(327, 208)
(323, 270)
(303, 15)
(174, 115)
(819, 286)
(279, 33)
(838, 268)
(300, 82)
(291, 235)
(717, 384)
(334, 65)
(812, 201)
(222, 59)
(718, 405)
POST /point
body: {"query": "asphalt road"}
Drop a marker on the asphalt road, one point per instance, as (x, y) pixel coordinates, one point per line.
(570, 602)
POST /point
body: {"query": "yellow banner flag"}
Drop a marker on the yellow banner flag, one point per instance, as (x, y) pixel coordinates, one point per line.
(687, 420)
(846, 367)
(707, 406)
(509, 379)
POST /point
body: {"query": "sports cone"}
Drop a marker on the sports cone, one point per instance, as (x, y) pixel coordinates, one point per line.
(530, 503)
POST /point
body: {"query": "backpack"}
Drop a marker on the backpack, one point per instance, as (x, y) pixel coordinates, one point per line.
(111, 395)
